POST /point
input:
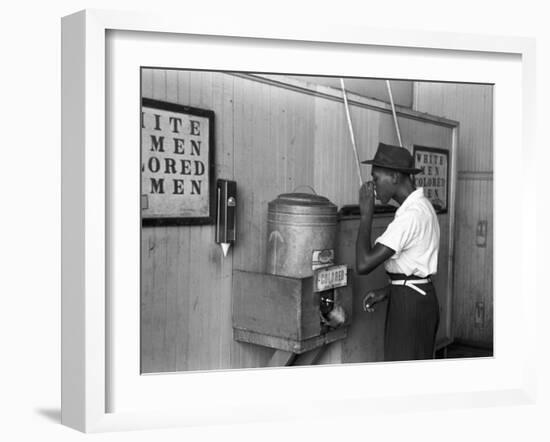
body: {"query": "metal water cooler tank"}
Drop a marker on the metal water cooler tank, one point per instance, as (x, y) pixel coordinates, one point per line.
(301, 234)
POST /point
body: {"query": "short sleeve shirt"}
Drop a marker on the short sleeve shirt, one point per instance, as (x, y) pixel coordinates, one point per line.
(414, 236)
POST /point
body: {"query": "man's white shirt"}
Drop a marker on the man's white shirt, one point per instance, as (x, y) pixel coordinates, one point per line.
(414, 235)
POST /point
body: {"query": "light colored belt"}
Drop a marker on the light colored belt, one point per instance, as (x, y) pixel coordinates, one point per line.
(411, 283)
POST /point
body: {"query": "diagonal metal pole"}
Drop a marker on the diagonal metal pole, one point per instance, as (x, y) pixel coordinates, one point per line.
(388, 86)
(352, 136)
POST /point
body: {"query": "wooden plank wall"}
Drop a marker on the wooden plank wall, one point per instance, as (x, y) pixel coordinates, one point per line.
(472, 106)
(264, 138)
(271, 140)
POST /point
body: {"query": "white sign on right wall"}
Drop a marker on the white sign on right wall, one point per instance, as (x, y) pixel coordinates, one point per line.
(434, 177)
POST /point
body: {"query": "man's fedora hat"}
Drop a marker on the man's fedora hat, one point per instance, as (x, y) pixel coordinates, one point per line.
(394, 158)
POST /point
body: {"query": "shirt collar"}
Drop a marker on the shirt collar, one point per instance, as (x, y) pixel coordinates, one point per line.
(413, 196)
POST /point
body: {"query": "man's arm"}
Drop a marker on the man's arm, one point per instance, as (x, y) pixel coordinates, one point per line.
(367, 257)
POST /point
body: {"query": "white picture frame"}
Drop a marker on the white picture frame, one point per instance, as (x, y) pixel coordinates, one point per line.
(87, 313)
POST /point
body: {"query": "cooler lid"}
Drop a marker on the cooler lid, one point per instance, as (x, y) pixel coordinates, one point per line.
(302, 199)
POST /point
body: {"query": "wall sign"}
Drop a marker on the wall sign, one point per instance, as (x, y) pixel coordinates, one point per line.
(177, 164)
(434, 177)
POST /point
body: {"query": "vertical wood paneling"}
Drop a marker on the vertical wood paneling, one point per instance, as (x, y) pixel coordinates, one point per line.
(335, 169)
(146, 304)
(474, 276)
(147, 83)
(159, 256)
(147, 283)
(172, 289)
(239, 151)
(158, 299)
(244, 166)
(263, 177)
(305, 129)
(471, 105)
(183, 261)
(278, 135)
(173, 257)
(322, 143)
(255, 145)
(367, 134)
(290, 121)
(223, 100)
(249, 217)
(387, 132)
(205, 261)
(184, 257)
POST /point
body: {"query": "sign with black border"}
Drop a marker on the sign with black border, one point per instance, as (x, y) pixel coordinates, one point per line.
(177, 164)
(434, 177)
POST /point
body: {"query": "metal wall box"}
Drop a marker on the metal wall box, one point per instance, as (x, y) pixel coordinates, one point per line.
(282, 312)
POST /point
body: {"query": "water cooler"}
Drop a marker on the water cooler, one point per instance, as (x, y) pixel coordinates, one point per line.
(303, 300)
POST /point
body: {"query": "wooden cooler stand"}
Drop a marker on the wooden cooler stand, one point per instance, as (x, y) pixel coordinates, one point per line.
(284, 313)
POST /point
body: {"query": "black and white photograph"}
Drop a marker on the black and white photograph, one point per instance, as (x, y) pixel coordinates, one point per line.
(291, 220)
